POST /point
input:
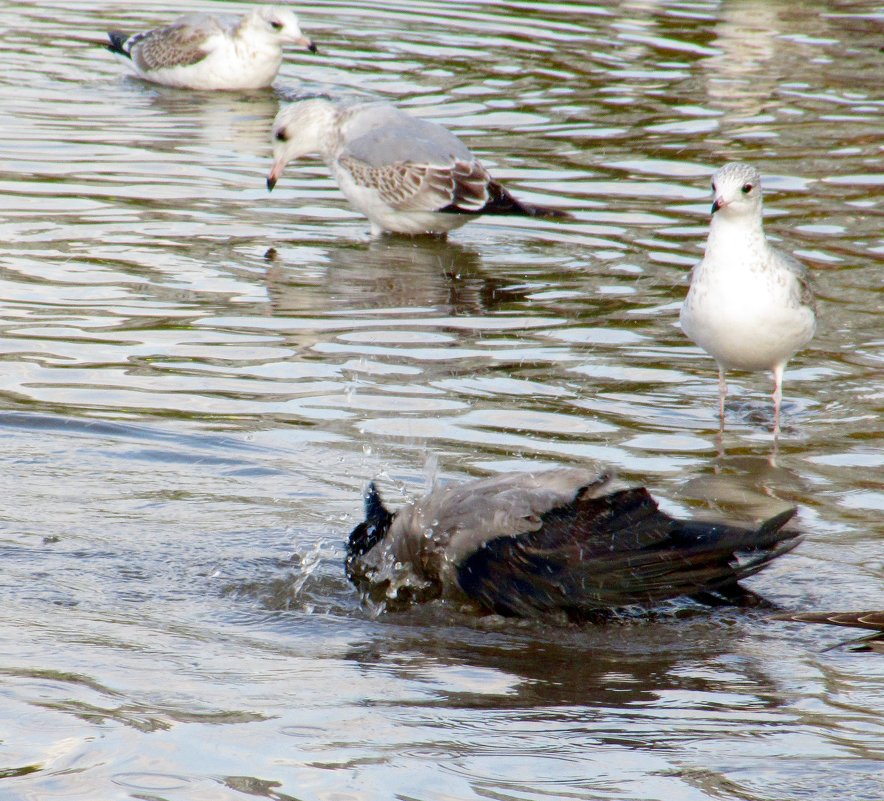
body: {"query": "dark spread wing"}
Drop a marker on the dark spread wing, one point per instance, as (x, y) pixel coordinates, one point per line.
(616, 551)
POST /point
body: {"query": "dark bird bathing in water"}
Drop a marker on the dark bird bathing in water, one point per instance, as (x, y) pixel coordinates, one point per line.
(568, 541)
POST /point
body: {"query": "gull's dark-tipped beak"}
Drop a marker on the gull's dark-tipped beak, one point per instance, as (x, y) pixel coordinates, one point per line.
(275, 172)
(307, 43)
(718, 204)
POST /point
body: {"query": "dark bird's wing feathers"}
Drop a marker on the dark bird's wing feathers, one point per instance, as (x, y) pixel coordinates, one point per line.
(499, 201)
(615, 551)
(117, 43)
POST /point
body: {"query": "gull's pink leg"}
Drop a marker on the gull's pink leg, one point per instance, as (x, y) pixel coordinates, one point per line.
(777, 395)
(722, 394)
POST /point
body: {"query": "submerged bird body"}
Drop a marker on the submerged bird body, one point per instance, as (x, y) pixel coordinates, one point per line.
(407, 175)
(213, 51)
(530, 544)
(749, 305)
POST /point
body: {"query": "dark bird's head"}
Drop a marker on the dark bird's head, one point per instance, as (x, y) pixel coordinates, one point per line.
(368, 533)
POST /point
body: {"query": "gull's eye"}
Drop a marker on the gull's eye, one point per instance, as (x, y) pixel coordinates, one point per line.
(281, 135)
(713, 186)
(746, 189)
(277, 26)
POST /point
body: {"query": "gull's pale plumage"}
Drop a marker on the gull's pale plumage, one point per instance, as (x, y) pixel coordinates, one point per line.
(750, 305)
(213, 51)
(569, 540)
(407, 175)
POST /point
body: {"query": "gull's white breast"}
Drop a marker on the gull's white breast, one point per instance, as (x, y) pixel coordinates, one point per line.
(745, 310)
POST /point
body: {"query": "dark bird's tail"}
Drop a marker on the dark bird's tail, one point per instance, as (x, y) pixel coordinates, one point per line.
(502, 202)
(472, 187)
(118, 43)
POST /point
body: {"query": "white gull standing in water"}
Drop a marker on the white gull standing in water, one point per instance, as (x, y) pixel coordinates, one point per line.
(749, 306)
(213, 51)
(407, 175)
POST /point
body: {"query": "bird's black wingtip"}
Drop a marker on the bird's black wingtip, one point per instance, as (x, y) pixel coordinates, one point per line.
(117, 42)
(374, 504)
(776, 522)
(371, 530)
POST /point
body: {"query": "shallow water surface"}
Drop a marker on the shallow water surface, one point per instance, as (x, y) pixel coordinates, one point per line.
(197, 378)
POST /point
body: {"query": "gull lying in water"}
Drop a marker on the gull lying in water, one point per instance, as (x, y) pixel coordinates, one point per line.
(872, 621)
(213, 51)
(750, 306)
(407, 175)
(567, 541)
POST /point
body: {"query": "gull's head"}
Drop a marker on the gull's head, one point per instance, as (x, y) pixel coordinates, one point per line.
(736, 189)
(279, 24)
(305, 126)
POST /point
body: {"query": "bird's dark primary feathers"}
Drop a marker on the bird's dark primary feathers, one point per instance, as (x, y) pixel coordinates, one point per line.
(501, 202)
(118, 43)
(562, 541)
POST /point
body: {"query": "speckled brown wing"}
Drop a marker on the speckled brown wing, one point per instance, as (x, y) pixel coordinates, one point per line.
(178, 45)
(407, 186)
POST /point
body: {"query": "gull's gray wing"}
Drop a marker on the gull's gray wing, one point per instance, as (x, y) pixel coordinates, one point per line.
(803, 287)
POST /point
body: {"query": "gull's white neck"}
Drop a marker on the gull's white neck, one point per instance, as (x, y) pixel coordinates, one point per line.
(320, 127)
(733, 234)
(312, 129)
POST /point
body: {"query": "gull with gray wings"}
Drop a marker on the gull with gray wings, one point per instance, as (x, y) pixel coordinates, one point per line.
(407, 175)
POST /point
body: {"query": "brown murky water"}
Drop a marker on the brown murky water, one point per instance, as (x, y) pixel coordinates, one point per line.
(187, 422)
